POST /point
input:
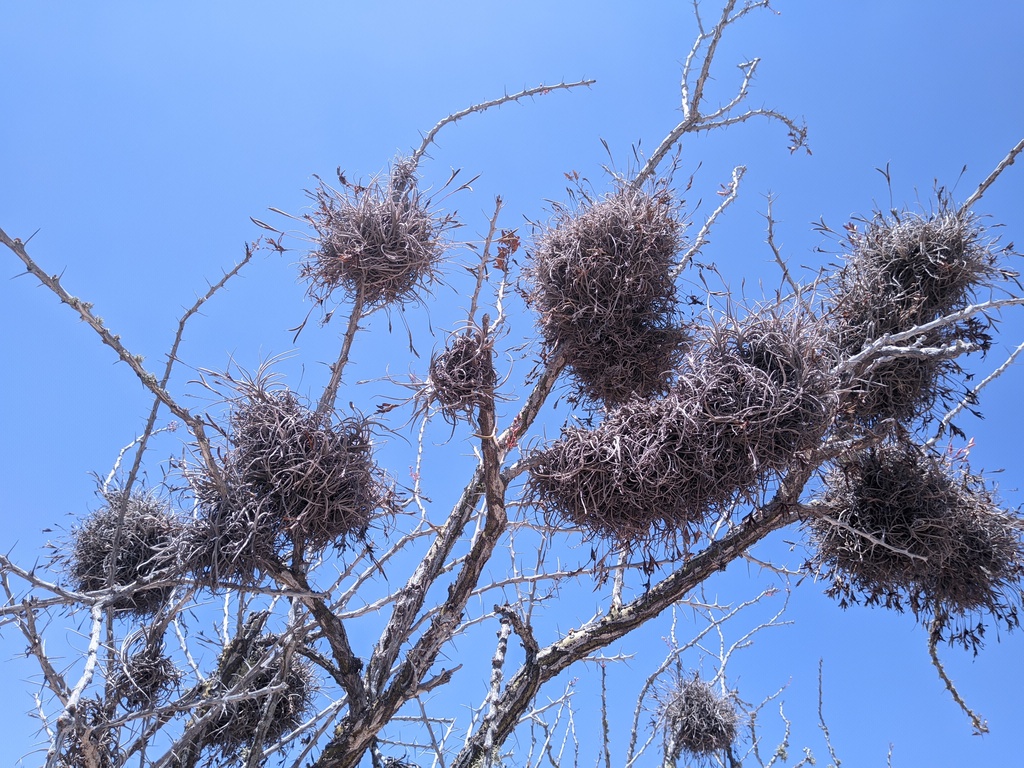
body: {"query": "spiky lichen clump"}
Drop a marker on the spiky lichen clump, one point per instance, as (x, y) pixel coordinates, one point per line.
(908, 530)
(144, 530)
(903, 271)
(698, 720)
(603, 288)
(752, 397)
(380, 243)
(292, 475)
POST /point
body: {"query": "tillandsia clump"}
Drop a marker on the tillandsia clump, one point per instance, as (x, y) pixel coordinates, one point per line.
(697, 719)
(380, 243)
(461, 375)
(747, 402)
(604, 292)
(92, 743)
(251, 663)
(144, 675)
(291, 474)
(908, 529)
(905, 270)
(144, 530)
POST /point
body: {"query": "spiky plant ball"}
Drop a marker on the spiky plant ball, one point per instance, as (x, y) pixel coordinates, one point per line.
(907, 529)
(603, 289)
(698, 720)
(752, 397)
(144, 674)
(766, 383)
(903, 271)
(380, 243)
(145, 530)
(461, 374)
(249, 664)
(92, 744)
(291, 475)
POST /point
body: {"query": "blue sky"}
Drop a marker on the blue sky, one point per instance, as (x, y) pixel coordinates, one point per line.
(139, 139)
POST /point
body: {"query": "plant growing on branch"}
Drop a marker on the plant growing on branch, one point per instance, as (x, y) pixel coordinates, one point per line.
(285, 595)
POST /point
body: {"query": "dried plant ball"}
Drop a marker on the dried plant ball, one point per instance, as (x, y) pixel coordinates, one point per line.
(766, 384)
(650, 470)
(145, 538)
(380, 243)
(291, 473)
(462, 374)
(903, 271)
(604, 291)
(913, 531)
(698, 720)
(145, 677)
(99, 747)
(249, 665)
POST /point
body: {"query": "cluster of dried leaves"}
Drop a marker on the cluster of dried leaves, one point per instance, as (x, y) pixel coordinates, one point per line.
(906, 270)
(145, 531)
(916, 532)
(381, 243)
(291, 475)
(698, 720)
(603, 289)
(750, 398)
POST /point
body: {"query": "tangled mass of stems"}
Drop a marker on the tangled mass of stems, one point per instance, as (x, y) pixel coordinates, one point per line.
(903, 271)
(697, 719)
(752, 395)
(905, 528)
(290, 475)
(603, 290)
(380, 243)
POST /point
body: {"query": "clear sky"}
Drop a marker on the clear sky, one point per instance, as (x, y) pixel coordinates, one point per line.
(139, 139)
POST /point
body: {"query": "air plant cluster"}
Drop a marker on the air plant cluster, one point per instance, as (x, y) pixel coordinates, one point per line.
(290, 475)
(759, 392)
(380, 243)
(603, 288)
(144, 529)
(460, 375)
(95, 745)
(144, 675)
(911, 530)
(903, 271)
(697, 719)
(249, 665)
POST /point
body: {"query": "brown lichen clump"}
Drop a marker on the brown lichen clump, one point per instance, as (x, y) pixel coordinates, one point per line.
(291, 475)
(911, 531)
(145, 549)
(380, 243)
(603, 289)
(904, 271)
(756, 394)
(461, 375)
(698, 720)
